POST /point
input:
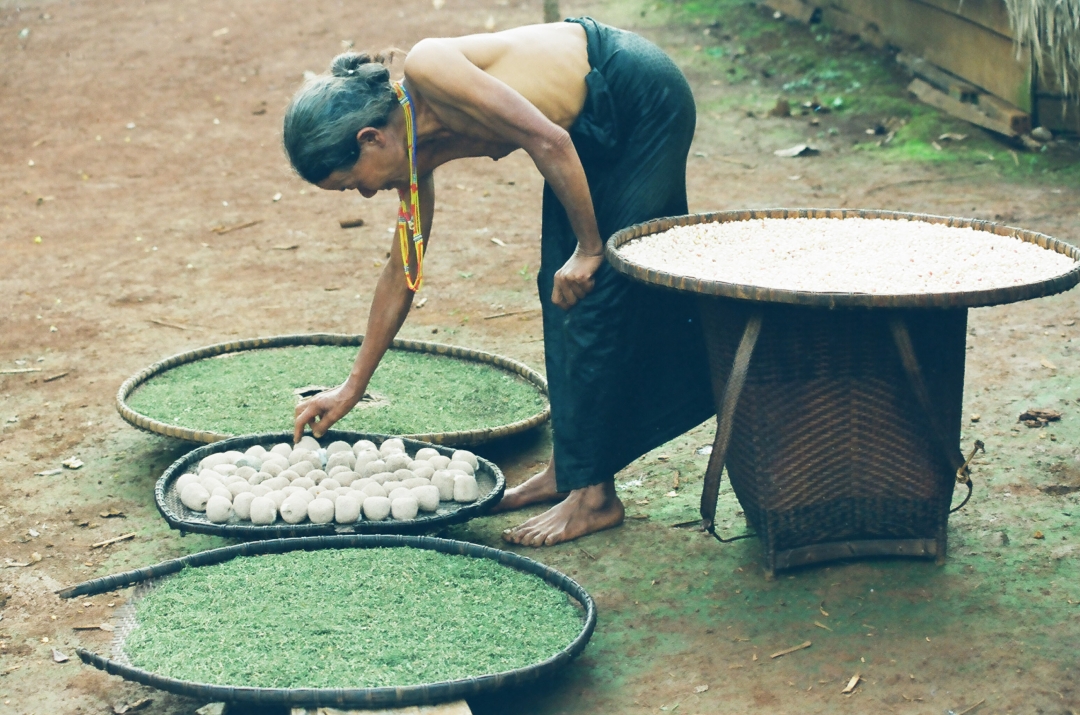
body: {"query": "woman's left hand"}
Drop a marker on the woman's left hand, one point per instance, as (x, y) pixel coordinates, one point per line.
(574, 280)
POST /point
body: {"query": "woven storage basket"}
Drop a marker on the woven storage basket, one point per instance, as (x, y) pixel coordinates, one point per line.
(458, 438)
(386, 697)
(489, 477)
(838, 413)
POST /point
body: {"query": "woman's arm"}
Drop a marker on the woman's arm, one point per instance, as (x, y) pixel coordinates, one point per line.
(388, 311)
(445, 76)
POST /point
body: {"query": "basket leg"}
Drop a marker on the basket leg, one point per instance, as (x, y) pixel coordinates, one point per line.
(725, 420)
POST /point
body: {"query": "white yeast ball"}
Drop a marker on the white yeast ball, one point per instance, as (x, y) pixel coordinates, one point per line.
(465, 488)
(280, 481)
(316, 475)
(307, 496)
(376, 508)
(427, 497)
(233, 479)
(241, 505)
(316, 490)
(383, 477)
(329, 494)
(338, 446)
(346, 459)
(401, 475)
(261, 490)
(303, 482)
(211, 484)
(259, 478)
(321, 511)
(439, 462)
(390, 485)
(346, 509)
(294, 509)
(309, 442)
(232, 455)
(255, 450)
(364, 445)
(249, 462)
(222, 492)
(444, 482)
(460, 466)
(421, 469)
(218, 509)
(238, 488)
(464, 455)
(398, 492)
(225, 469)
(302, 468)
(302, 455)
(277, 496)
(194, 496)
(374, 467)
(346, 478)
(330, 483)
(271, 468)
(374, 490)
(426, 453)
(404, 508)
(245, 472)
(292, 489)
(282, 449)
(183, 480)
(397, 461)
(263, 511)
(415, 482)
(391, 446)
(289, 474)
(213, 460)
(365, 457)
(361, 483)
(331, 471)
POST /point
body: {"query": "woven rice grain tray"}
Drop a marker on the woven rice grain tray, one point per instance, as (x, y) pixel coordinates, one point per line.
(385, 697)
(457, 438)
(489, 478)
(960, 299)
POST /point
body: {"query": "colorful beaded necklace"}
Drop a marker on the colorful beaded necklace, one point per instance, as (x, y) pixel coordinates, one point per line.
(409, 211)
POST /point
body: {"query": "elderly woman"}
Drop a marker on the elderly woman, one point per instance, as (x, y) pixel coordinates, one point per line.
(608, 119)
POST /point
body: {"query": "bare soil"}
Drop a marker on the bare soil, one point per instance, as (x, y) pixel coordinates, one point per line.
(133, 129)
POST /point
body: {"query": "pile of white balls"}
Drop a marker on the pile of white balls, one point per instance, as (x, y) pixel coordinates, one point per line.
(342, 483)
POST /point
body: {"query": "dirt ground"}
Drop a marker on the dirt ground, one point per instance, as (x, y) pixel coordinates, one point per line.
(132, 129)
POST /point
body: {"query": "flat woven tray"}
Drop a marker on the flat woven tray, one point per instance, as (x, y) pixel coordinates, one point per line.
(326, 697)
(459, 438)
(842, 300)
(489, 478)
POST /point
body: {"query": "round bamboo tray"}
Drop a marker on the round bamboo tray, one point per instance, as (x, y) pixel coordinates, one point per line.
(386, 697)
(489, 477)
(958, 299)
(460, 438)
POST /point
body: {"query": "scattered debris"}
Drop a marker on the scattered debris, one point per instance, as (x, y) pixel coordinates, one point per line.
(1039, 535)
(54, 378)
(117, 539)
(167, 324)
(132, 707)
(788, 651)
(968, 710)
(512, 312)
(1039, 417)
(291, 247)
(796, 151)
(9, 564)
(706, 450)
(1047, 364)
(976, 418)
(782, 108)
(421, 303)
(1042, 134)
(112, 514)
(72, 463)
(59, 657)
(701, 688)
(952, 137)
(819, 624)
(95, 627)
(498, 242)
(350, 222)
(221, 230)
(19, 370)
(48, 473)
(852, 684)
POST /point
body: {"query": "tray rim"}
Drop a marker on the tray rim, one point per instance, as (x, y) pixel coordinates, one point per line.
(462, 438)
(402, 696)
(957, 299)
(280, 530)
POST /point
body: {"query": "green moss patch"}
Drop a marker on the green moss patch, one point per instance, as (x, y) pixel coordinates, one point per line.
(350, 618)
(253, 391)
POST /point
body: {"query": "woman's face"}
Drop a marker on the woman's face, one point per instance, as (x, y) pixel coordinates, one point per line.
(382, 165)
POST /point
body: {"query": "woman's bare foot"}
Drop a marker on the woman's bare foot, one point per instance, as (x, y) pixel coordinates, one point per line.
(536, 489)
(583, 511)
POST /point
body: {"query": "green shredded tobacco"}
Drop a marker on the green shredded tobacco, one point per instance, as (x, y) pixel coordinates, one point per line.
(414, 393)
(349, 618)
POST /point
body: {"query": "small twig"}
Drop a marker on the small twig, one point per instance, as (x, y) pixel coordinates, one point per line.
(965, 712)
(851, 684)
(788, 651)
(222, 230)
(166, 324)
(512, 312)
(19, 370)
(906, 182)
(735, 161)
(684, 524)
(291, 247)
(351, 222)
(57, 377)
(588, 554)
(125, 537)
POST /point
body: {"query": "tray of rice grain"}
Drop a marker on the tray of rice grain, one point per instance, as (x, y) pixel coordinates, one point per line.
(426, 391)
(846, 258)
(343, 621)
(265, 487)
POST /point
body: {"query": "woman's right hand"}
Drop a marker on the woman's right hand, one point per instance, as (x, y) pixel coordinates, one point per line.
(321, 411)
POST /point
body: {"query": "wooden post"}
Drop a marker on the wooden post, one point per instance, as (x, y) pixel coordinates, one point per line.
(551, 11)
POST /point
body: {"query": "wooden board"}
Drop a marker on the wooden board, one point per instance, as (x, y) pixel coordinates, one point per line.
(801, 10)
(1049, 113)
(991, 14)
(961, 110)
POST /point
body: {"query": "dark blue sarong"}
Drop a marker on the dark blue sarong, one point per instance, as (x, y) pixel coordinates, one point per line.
(626, 366)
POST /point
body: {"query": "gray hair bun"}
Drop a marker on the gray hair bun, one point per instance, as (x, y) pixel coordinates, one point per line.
(360, 66)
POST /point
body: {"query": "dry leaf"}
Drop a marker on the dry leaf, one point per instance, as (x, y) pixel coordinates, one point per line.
(1047, 364)
(59, 657)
